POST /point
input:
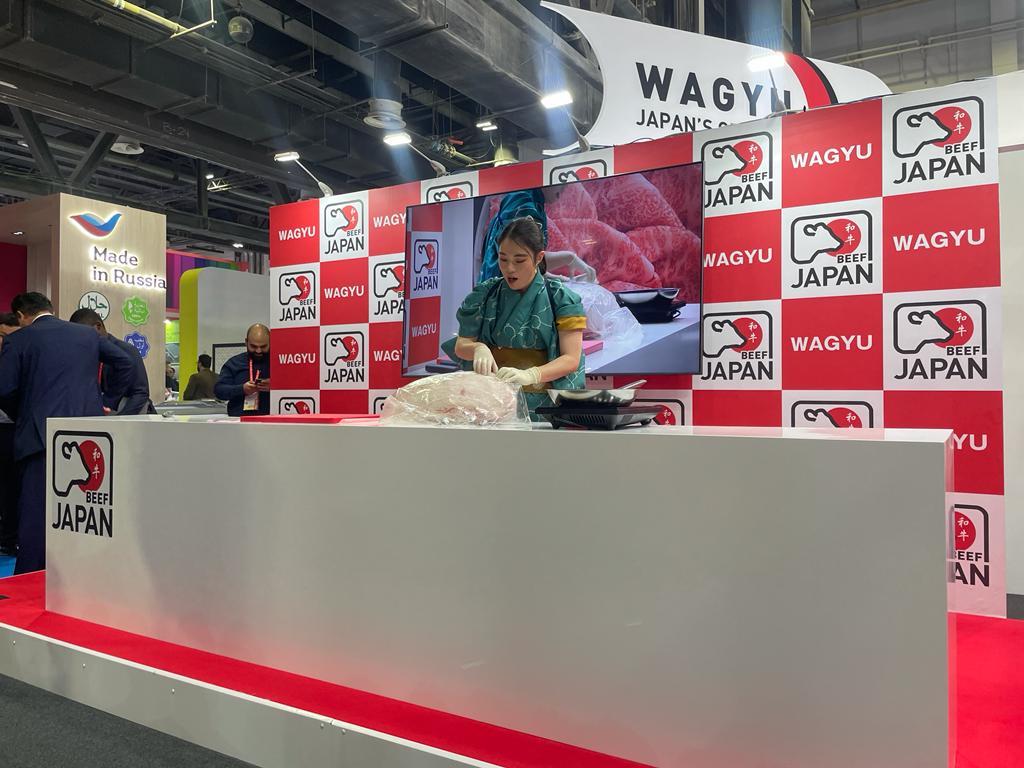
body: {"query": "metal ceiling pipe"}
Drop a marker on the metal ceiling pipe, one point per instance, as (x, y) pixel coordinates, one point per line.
(142, 13)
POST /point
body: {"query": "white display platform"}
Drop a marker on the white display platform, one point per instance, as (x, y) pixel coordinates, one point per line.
(673, 596)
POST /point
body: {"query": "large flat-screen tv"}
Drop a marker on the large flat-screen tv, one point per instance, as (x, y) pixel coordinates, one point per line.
(640, 231)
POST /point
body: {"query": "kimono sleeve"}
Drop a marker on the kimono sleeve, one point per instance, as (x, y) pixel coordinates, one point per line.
(569, 313)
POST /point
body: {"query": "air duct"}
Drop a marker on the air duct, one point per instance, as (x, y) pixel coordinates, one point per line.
(386, 101)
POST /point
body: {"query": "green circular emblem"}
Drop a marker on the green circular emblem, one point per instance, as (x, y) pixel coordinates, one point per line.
(135, 311)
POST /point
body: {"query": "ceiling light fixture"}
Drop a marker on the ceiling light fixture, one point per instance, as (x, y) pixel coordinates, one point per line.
(17, 233)
(556, 99)
(238, 245)
(5, 84)
(210, 177)
(292, 156)
(772, 60)
(486, 125)
(397, 138)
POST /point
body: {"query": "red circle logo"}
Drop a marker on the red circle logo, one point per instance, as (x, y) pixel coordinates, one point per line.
(849, 232)
(351, 215)
(957, 121)
(964, 532)
(665, 417)
(455, 193)
(751, 332)
(750, 152)
(844, 418)
(94, 461)
(585, 173)
(959, 322)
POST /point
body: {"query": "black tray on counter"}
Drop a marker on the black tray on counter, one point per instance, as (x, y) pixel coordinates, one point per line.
(606, 417)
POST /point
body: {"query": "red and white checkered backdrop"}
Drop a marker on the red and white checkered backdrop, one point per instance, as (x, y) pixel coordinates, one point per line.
(858, 339)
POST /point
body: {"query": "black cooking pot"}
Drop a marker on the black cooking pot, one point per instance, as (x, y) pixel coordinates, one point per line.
(651, 305)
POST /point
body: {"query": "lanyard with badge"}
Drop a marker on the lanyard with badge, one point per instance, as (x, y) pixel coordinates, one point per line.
(252, 402)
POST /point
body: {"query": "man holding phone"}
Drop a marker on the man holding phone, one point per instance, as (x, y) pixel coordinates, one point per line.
(245, 379)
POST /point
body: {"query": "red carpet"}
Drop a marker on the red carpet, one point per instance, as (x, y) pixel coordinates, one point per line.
(989, 680)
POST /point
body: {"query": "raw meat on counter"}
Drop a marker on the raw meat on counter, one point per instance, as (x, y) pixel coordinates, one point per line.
(462, 398)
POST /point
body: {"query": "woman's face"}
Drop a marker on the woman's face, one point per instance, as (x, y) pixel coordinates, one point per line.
(518, 264)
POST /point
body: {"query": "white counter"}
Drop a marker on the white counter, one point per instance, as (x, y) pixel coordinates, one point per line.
(674, 596)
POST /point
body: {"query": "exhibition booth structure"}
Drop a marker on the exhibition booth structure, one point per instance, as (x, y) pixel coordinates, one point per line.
(764, 577)
(84, 253)
(850, 269)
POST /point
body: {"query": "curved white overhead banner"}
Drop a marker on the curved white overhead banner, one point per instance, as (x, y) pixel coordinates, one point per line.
(659, 81)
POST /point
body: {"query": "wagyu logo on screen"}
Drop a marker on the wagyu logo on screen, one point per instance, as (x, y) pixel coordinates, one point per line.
(939, 140)
(941, 341)
(82, 483)
(296, 295)
(738, 170)
(344, 357)
(833, 250)
(94, 226)
(839, 414)
(440, 193)
(562, 174)
(344, 229)
(738, 347)
(968, 545)
(426, 255)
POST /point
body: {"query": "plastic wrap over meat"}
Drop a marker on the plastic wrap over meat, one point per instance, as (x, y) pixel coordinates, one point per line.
(458, 399)
(606, 320)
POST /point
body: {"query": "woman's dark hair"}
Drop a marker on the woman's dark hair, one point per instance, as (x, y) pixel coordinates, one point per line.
(526, 231)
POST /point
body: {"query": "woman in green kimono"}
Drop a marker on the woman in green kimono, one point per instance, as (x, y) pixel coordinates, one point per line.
(521, 326)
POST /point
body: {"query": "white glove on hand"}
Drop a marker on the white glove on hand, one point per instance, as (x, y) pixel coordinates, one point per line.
(528, 378)
(577, 268)
(483, 360)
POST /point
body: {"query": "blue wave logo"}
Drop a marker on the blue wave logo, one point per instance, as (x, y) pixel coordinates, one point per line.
(94, 226)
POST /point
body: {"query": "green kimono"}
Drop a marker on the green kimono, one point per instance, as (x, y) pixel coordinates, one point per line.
(522, 329)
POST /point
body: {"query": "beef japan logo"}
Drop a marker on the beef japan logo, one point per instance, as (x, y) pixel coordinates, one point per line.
(345, 357)
(737, 347)
(389, 287)
(426, 254)
(296, 295)
(82, 483)
(563, 174)
(838, 414)
(941, 341)
(440, 193)
(345, 227)
(297, 406)
(832, 250)
(968, 545)
(738, 170)
(939, 140)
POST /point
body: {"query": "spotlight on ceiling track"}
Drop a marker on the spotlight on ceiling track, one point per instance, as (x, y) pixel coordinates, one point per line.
(772, 60)
(397, 138)
(556, 99)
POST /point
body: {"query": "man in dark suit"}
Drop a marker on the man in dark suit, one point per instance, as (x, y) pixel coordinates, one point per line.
(50, 368)
(8, 470)
(245, 379)
(136, 401)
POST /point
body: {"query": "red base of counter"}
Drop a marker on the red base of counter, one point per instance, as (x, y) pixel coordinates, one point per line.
(989, 681)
